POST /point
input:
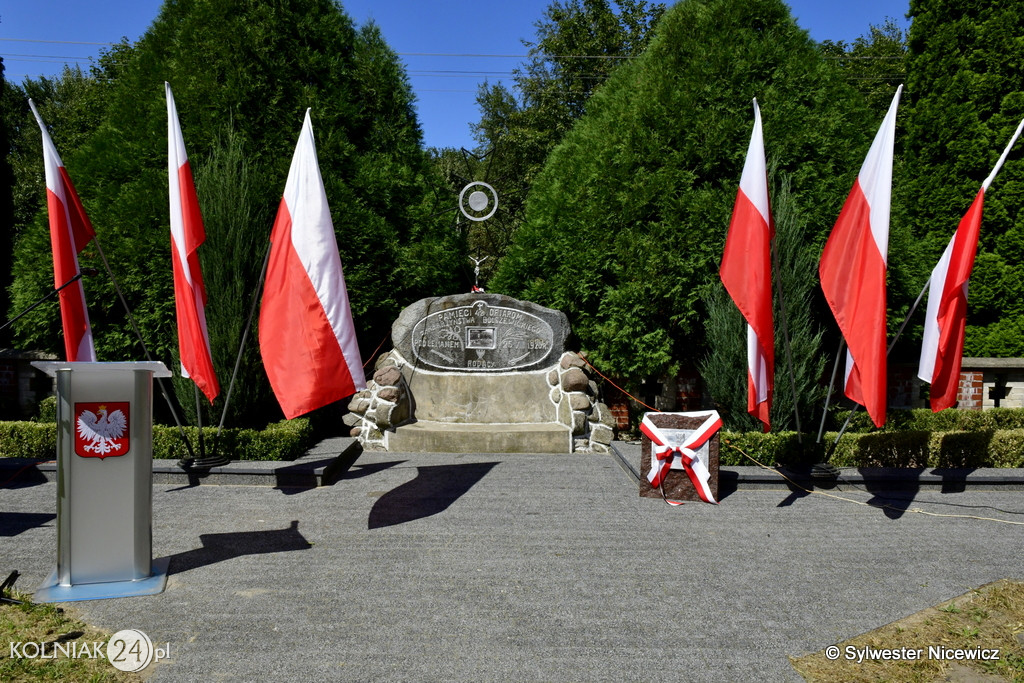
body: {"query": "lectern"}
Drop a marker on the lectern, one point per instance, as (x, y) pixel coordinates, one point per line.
(104, 482)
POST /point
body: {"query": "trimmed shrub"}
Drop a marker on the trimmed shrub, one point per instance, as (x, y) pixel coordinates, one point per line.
(285, 440)
(910, 448)
(28, 440)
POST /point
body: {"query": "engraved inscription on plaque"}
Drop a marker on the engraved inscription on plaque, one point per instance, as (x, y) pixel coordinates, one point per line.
(481, 338)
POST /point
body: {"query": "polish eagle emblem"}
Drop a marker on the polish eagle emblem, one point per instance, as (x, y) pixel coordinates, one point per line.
(101, 429)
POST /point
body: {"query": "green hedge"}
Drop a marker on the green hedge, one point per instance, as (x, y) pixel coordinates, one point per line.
(285, 440)
(921, 419)
(911, 448)
(28, 440)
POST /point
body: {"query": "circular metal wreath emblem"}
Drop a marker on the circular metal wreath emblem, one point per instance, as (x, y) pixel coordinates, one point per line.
(478, 201)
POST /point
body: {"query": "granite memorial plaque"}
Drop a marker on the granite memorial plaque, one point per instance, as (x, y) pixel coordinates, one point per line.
(480, 332)
(677, 485)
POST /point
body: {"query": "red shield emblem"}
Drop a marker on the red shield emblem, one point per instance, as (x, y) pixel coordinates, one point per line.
(101, 429)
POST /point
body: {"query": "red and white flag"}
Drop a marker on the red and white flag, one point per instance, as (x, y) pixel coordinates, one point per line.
(746, 273)
(70, 232)
(187, 234)
(943, 343)
(853, 269)
(307, 338)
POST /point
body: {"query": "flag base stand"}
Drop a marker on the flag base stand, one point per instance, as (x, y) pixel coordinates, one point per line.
(824, 475)
(52, 591)
(203, 464)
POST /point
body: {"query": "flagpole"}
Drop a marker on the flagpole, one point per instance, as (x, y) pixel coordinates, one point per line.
(786, 342)
(831, 387)
(245, 338)
(892, 343)
(131, 319)
(43, 300)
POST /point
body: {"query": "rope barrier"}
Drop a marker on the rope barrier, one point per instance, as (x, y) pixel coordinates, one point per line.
(860, 502)
(605, 378)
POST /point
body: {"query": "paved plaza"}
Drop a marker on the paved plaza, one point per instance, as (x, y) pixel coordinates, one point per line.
(433, 567)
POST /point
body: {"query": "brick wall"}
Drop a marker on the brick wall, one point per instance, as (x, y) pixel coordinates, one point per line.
(970, 395)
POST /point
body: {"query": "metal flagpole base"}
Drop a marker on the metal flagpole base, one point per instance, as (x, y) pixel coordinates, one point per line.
(52, 591)
(202, 464)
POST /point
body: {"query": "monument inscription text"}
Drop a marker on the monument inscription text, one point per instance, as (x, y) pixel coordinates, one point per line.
(481, 337)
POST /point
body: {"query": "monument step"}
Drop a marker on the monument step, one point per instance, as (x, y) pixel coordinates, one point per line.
(426, 436)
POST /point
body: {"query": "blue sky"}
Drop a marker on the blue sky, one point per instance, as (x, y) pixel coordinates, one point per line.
(448, 47)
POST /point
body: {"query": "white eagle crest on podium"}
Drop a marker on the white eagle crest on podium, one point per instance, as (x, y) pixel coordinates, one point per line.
(103, 431)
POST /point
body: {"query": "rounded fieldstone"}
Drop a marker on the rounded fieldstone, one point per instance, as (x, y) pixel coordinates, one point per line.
(553, 377)
(571, 360)
(388, 376)
(384, 360)
(593, 388)
(579, 401)
(574, 379)
(358, 405)
(580, 445)
(556, 395)
(390, 394)
(382, 416)
(604, 415)
(601, 435)
(579, 423)
(599, 448)
(355, 432)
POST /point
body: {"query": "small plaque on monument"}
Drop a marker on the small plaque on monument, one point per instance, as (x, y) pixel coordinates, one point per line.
(480, 332)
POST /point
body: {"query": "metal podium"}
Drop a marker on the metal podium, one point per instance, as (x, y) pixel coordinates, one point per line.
(104, 482)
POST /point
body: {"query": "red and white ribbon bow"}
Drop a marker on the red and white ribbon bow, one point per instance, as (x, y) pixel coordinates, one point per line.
(667, 455)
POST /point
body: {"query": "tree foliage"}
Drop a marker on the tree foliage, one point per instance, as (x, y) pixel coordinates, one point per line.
(244, 71)
(579, 44)
(626, 223)
(965, 86)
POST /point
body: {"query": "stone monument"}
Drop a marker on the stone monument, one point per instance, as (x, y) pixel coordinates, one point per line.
(484, 373)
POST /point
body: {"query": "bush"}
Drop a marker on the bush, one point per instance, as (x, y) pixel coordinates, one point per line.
(910, 448)
(946, 421)
(285, 440)
(28, 440)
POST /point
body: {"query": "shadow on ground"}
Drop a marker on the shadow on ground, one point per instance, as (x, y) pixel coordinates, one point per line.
(433, 491)
(227, 546)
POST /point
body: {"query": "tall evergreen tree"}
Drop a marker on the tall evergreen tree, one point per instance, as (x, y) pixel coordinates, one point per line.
(965, 87)
(579, 43)
(626, 223)
(249, 69)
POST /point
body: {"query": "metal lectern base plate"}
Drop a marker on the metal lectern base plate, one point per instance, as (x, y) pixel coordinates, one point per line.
(51, 591)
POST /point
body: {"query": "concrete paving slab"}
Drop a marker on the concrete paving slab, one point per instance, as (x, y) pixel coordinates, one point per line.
(479, 567)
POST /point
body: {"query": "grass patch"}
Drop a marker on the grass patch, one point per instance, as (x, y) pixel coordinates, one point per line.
(32, 623)
(990, 617)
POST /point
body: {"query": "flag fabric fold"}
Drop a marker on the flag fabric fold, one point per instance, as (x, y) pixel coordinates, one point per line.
(746, 273)
(946, 319)
(70, 232)
(307, 338)
(853, 272)
(187, 234)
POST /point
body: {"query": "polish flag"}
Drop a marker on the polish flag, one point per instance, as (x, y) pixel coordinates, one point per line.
(853, 268)
(187, 234)
(943, 343)
(307, 338)
(70, 232)
(746, 273)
